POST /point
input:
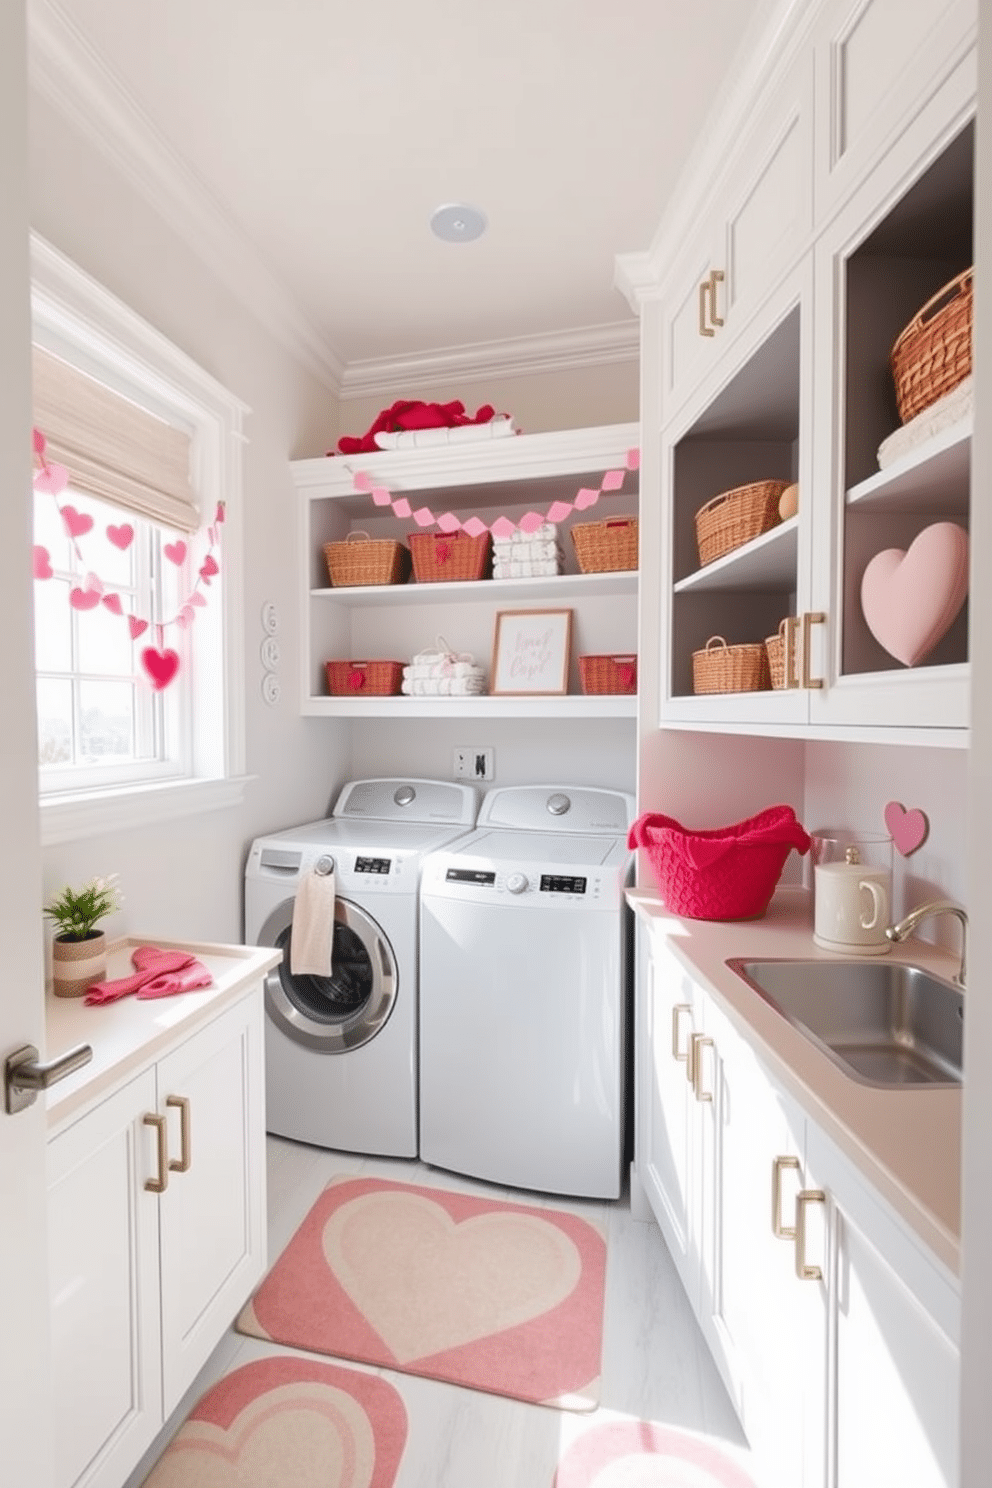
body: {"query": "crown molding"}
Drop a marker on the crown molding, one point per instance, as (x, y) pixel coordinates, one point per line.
(67, 72)
(560, 351)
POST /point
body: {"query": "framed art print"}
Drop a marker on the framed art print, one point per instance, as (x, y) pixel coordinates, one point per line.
(531, 652)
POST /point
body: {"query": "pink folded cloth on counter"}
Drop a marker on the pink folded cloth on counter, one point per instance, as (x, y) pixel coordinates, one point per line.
(157, 974)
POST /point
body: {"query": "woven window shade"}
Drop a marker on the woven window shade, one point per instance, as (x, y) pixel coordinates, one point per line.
(111, 448)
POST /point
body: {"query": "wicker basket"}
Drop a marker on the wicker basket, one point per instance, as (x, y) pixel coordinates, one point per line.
(446, 557)
(367, 678)
(606, 547)
(777, 648)
(933, 353)
(735, 517)
(722, 668)
(613, 674)
(361, 559)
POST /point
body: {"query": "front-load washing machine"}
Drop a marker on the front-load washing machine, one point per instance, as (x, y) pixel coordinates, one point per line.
(524, 977)
(341, 1050)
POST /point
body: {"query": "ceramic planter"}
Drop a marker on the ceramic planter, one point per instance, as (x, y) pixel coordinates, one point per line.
(77, 964)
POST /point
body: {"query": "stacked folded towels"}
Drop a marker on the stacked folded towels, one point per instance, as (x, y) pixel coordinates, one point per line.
(443, 673)
(528, 555)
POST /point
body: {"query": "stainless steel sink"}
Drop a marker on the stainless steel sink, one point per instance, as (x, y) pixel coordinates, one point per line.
(883, 1022)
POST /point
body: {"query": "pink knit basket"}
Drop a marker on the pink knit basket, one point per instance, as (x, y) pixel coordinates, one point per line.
(729, 873)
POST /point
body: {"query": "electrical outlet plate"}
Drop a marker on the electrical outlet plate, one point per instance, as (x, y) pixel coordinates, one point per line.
(474, 762)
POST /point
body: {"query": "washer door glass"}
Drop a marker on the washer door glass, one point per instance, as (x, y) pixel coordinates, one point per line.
(346, 1009)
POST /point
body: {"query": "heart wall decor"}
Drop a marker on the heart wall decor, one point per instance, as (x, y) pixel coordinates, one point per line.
(908, 829)
(911, 598)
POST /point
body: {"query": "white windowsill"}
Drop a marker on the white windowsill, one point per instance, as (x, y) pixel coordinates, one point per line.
(67, 818)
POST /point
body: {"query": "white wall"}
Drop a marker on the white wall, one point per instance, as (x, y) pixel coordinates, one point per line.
(184, 878)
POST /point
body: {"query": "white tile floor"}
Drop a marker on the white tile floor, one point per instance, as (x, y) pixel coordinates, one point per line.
(656, 1366)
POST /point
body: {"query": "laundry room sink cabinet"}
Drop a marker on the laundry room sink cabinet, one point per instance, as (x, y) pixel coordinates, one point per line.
(157, 1224)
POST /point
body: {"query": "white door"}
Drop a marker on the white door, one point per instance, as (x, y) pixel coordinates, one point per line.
(23, 1282)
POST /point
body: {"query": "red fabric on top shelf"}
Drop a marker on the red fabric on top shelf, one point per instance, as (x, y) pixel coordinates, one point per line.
(410, 413)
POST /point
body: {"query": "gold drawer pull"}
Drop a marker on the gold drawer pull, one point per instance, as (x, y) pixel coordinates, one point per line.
(160, 1184)
(779, 1230)
(680, 1007)
(811, 618)
(716, 277)
(808, 1196)
(704, 290)
(181, 1104)
(699, 1042)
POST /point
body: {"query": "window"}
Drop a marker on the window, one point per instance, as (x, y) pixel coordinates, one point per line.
(138, 636)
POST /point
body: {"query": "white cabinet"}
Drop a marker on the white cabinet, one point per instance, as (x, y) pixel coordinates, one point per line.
(502, 476)
(835, 1330)
(157, 1236)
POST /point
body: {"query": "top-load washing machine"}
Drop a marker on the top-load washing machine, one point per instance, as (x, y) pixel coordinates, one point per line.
(341, 1048)
(524, 989)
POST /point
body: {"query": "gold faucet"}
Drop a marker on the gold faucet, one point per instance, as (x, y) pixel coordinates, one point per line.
(936, 906)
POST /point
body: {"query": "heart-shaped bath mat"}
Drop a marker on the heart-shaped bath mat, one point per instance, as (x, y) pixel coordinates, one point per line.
(910, 599)
(289, 1421)
(639, 1454)
(506, 1298)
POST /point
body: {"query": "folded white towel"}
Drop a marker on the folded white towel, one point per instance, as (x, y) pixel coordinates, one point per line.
(518, 551)
(496, 428)
(950, 409)
(439, 669)
(525, 568)
(311, 940)
(444, 686)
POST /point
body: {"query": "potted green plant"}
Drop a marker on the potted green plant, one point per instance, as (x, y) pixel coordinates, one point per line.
(79, 949)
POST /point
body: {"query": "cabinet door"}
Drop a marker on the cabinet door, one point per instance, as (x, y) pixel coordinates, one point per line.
(213, 1210)
(666, 1138)
(890, 1344)
(103, 1266)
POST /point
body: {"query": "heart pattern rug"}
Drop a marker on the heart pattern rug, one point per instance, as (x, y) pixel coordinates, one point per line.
(288, 1421)
(639, 1454)
(501, 1297)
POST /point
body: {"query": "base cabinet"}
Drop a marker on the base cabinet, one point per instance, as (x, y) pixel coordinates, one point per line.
(834, 1329)
(157, 1236)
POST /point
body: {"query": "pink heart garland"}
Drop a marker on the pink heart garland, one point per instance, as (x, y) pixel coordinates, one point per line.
(908, 829)
(585, 498)
(559, 510)
(219, 513)
(161, 666)
(910, 599)
(175, 552)
(633, 461)
(198, 599)
(208, 567)
(75, 523)
(186, 616)
(502, 527)
(136, 627)
(402, 508)
(38, 442)
(94, 582)
(531, 521)
(612, 480)
(363, 481)
(474, 527)
(448, 522)
(53, 479)
(41, 563)
(381, 496)
(424, 517)
(83, 599)
(113, 603)
(122, 536)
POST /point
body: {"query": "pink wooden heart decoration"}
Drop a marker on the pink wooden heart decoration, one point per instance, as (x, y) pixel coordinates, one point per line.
(41, 563)
(112, 602)
(122, 537)
(911, 598)
(75, 523)
(175, 552)
(161, 666)
(136, 627)
(908, 829)
(83, 599)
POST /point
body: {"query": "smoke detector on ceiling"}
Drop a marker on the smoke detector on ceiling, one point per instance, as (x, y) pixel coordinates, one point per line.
(456, 222)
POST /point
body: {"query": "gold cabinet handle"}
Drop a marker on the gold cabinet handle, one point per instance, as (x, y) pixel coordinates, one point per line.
(181, 1104)
(161, 1183)
(700, 1041)
(704, 290)
(810, 619)
(792, 624)
(803, 1200)
(716, 277)
(779, 1230)
(681, 1055)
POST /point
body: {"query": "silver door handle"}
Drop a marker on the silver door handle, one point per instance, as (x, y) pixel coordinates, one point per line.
(24, 1076)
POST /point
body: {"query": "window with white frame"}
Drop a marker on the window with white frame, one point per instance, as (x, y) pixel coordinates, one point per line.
(137, 565)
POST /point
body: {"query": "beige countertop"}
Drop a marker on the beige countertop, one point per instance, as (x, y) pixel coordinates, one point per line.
(128, 1035)
(906, 1142)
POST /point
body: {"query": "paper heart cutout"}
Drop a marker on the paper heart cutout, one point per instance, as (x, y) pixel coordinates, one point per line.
(911, 598)
(122, 537)
(93, 582)
(625, 671)
(175, 552)
(112, 602)
(84, 599)
(76, 523)
(448, 522)
(356, 679)
(585, 498)
(474, 527)
(402, 507)
(424, 517)
(38, 442)
(502, 527)
(908, 829)
(380, 496)
(559, 510)
(53, 479)
(612, 480)
(219, 514)
(198, 599)
(161, 666)
(442, 552)
(186, 616)
(208, 567)
(41, 563)
(136, 627)
(531, 521)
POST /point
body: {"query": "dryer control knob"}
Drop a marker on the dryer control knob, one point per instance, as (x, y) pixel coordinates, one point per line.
(516, 883)
(324, 865)
(405, 795)
(558, 804)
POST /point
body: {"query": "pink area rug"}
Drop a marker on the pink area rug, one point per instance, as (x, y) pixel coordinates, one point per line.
(506, 1298)
(288, 1421)
(638, 1454)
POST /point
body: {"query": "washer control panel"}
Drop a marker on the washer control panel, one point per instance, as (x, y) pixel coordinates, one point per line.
(373, 865)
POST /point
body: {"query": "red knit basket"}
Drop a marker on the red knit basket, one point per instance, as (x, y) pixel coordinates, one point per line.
(729, 873)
